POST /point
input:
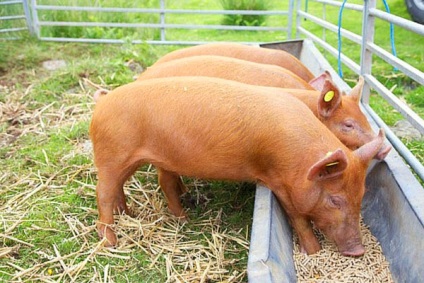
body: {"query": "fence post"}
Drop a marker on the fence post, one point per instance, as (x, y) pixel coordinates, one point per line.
(368, 23)
(290, 19)
(28, 17)
(298, 19)
(162, 20)
(35, 27)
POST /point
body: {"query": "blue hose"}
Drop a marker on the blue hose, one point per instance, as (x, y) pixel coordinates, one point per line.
(339, 38)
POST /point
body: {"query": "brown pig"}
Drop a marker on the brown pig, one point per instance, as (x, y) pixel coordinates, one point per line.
(227, 68)
(245, 52)
(212, 128)
(339, 112)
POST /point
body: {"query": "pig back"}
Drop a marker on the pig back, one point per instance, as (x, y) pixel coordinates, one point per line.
(209, 128)
(227, 68)
(245, 52)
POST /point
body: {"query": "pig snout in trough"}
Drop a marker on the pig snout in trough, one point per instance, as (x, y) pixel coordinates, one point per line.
(245, 52)
(223, 130)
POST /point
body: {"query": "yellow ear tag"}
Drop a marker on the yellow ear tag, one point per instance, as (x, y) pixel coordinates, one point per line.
(331, 164)
(329, 96)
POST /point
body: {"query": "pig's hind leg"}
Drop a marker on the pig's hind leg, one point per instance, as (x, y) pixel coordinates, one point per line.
(111, 198)
(172, 187)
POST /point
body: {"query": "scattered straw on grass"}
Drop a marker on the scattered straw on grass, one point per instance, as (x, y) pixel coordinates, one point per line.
(328, 265)
(199, 251)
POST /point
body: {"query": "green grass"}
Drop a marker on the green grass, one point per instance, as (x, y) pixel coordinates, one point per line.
(47, 199)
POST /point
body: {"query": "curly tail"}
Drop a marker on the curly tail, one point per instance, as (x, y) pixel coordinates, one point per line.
(98, 93)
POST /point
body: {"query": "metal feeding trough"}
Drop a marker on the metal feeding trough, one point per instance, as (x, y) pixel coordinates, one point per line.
(393, 207)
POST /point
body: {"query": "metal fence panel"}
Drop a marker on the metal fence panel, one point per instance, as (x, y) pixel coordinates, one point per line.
(159, 24)
(14, 18)
(368, 50)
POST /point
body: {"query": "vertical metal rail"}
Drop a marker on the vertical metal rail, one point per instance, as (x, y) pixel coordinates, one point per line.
(368, 27)
(162, 20)
(35, 22)
(290, 19)
(298, 17)
(28, 17)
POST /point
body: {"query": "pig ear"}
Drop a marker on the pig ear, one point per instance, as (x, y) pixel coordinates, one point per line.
(329, 100)
(318, 82)
(369, 150)
(356, 92)
(330, 166)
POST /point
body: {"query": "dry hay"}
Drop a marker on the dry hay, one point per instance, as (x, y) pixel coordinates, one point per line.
(328, 265)
(153, 232)
(199, 251)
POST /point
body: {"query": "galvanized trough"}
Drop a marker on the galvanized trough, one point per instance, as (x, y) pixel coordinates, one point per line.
(393, 207)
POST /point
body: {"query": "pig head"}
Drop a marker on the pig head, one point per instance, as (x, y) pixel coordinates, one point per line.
(341, 113)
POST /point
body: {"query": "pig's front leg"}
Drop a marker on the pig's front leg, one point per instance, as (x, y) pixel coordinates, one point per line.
(173, 188)
(307, 240)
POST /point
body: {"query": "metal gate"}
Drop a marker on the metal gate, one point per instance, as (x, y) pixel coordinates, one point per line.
(135, 20)
(15, 18)
(364, 67)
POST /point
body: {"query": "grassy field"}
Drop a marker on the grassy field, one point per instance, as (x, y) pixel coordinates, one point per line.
(47, 177)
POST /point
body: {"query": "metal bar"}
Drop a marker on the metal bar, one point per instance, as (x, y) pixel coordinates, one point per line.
(35, 22)
(409, 70)
(17, 17)
(290, 19)
(401, 22)
(12, 29)
(397, 144)
(344, 32)
(162, 20)
(406, 112)
(28, 17)
(11, 2)
(368, 27)
(298, 18)
(120, 41)
(174, 26)
(157, 11)
(349, 6)
(333, 51)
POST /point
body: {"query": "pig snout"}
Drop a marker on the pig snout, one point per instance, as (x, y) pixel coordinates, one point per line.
(352, 248)
(349, 241)
(382, 153)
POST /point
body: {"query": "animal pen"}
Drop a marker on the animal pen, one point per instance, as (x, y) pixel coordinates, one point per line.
(393, 207)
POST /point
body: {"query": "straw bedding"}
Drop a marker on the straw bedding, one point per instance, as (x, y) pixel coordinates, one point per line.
(202, 250)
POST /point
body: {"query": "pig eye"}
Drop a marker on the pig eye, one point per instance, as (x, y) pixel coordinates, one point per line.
(348, 125)
(335, 201)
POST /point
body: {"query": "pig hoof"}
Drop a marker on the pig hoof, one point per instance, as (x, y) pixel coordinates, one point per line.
(182, 216)
(106, 232)
(311, 249)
